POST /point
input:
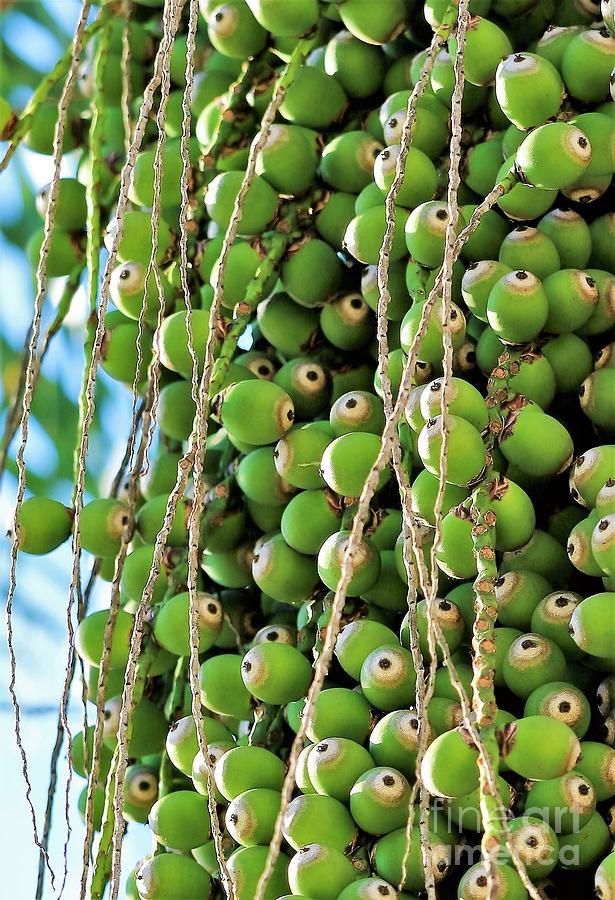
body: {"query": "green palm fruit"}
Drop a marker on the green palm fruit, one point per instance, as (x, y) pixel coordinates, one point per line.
(168, 875)
(282, 573)
(478, 280)
(579, 546)
(276, 673)
(426, 232)
(603, 543)
(136, 243)
(465, 811)
(180, 820)
(517, 307)
(379, 800)
(518, 594)
(333, 215)
(357, 640)
(172, 627)
(597, 399)
(276, 17)
(311, 272)
(604, 879)
(455, 550)
(531, 661)
(529, 89)
(359, 67)
(587, 64)
(430, 347)
(467, 451)
(272, 411)
(551, 618)
(259, 480)
(335, 764)
(570, 359)
(535, 441)
(465, 401)
(562, 701)
(538, 747)
(571, 235)
(583, 848)
(222, 688)
(307, 384)
(399, 860)
(566, 803)
(474, 885)
(542, 554)
(347, 162)
(233, 30)
(388, 679)
(486, 45)
(250, 817)
(443, 83)
(312, 817)
(246, 866)
(259, 208)
(89, 641)
(70, 210)
(602, 233)
(592, 625)
(449, 766)
(43, 524)
(589, 473)
(530, 249)
(309, 519)
(424, 492)
(140, 793)
(394, 740)
(374, 25)
(348, 460)
(553, 156)
(315, 99)
(289, 327)
(319, 869)
(365, 232)
(523, 202)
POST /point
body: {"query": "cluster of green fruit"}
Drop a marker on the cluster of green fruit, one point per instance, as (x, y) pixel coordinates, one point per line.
(295, 430)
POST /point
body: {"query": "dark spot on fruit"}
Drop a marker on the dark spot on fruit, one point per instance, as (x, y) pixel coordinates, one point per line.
(570, 548)
(442, 214)
(584, 790)
(435, 386)
(521, 275)
(321, 748)
(388, 780)
(441, 865)
(350, 404)
(586, 198)
(385, 154)
(582, 391)
(247, 666)
(233, 817)
(561, 602)
(219, 16)
(263, 370)
(603, 525)
(414, 724)
(272, 635)
(312, 375)
(582, 142)
(212, 608)
(499, 581)
(445, 605)
(143, 785)
(481, 881)
(589, 281)
(564, 706)
(290, 415)
(384, 663)
(518, 57)
(356, 303)
(532, 842)
(124, 274)
(520, 228)
(472, 265)
(383, 890)
(528, 644)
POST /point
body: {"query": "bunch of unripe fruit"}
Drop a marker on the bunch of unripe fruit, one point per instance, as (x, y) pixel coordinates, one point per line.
(295, 429)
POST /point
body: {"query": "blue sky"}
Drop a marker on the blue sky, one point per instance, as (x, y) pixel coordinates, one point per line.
(42, 594)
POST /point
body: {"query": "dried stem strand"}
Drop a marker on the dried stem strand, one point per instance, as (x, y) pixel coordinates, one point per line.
(31, 369)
